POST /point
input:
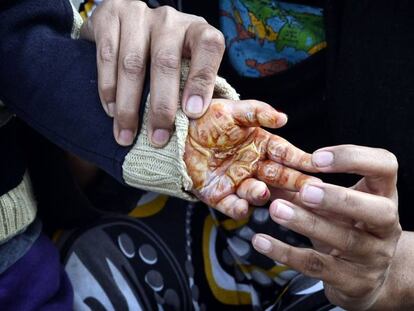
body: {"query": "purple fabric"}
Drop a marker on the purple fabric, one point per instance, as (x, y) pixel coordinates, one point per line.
(37, 281)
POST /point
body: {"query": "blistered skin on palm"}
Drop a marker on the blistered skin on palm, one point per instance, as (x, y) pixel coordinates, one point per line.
(226, 146)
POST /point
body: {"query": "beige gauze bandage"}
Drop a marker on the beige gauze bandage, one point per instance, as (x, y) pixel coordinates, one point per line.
(163, 170)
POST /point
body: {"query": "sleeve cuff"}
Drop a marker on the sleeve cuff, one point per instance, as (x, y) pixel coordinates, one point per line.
(163, 170)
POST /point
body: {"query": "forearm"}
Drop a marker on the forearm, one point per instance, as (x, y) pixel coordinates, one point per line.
(398, 291)
(49, 80)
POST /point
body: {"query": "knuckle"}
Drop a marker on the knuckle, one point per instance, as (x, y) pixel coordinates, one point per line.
(311, 225)
(199, 19)
(393, 163)
(140, 5)
(165, 11)
(163, 111)
(107, 53)
(384, 257)
(212, 40)
(280, 150)
(116, 4)
(313, 264)
(343, 199)
(391, 217)
(133, 65)
(125, 114)
(166, 62)
(350, 242)
(108, 90)
(390, 162)
(203, 79)
(286, 255)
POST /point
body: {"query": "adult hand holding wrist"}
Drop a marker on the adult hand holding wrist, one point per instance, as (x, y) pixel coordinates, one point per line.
(129, 36)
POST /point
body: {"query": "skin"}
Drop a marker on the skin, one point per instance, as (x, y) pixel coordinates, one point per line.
(374, 273)
(355, 231)
(359, 252)
(129, 36)
(232, 161)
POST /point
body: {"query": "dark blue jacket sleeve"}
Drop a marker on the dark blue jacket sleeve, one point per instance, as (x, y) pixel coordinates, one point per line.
(50, 81)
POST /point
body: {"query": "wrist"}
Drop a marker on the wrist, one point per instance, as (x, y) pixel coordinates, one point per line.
(397, 292)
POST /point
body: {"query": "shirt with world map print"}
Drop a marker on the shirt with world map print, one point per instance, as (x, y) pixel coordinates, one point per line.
(266, 37)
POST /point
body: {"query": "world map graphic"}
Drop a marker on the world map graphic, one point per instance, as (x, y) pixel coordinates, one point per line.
(266, 37)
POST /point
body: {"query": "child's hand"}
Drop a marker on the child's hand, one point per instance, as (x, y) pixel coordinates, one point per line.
(232, 161)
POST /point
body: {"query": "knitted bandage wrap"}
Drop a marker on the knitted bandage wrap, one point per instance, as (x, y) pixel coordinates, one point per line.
(77, 23)
(163, 170)
(17, 210)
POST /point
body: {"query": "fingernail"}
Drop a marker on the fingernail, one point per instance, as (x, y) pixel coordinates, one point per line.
(312, 194)
(265, 194)
(260, 192)
(323, 158)
(194, 104)
(111, 109)
(282, 211)
(283, 119)
(160, 136)
(242, 211)
(125, 137)
(262, 244)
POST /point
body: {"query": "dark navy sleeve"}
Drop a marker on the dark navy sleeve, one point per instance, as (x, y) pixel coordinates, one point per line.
(50, 81)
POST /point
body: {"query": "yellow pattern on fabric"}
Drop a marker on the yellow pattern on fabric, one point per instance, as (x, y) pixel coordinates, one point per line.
(229, 297)
(231, 224)
(150, 208)
(272, 273)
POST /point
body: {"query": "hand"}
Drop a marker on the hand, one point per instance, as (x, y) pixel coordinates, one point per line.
(129, 35)
(354, 230)
(232, 161)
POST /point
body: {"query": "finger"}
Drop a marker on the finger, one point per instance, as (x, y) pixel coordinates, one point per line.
(350, 241)
(291, 196)
(378, 166)
(253, 191)
(104, 29)
(380, 214)
(233, 206)
(294, 198)
(280, 176)
(250, 113)
(166, 53)
(86, 31)
(307, 261)
(131, 76)
(283, 152)
(206, 46)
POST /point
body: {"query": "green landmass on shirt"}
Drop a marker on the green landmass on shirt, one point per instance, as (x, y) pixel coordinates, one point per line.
(305, 33)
